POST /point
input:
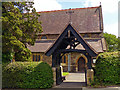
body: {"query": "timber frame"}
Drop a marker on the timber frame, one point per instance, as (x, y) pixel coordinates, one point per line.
(66, 43)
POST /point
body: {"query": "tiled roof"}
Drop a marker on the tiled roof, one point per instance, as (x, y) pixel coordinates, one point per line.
(39, 47)
(85, 20)
(95, 43)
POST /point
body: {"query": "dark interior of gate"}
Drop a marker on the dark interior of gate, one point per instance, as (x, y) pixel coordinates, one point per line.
(66, 43)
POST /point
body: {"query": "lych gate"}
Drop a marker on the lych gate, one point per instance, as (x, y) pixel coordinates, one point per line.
(66, 43)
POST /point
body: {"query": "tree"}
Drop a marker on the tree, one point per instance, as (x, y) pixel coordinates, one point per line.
(19, 29)
(112, 42)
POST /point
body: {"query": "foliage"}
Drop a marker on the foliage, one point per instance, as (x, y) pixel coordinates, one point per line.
(112, 41)
(107, 70)
(6, 56)
(19, 29)
(65, 73)
(27, 75)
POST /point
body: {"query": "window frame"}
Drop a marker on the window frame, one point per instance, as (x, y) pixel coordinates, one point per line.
(44, 38)
(36, 57)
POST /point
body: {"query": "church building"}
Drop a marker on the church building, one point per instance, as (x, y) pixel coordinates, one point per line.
(71, 38)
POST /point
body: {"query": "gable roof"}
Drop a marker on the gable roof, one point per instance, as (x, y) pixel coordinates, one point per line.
(98, 45)
(85, 20)
(60, 44)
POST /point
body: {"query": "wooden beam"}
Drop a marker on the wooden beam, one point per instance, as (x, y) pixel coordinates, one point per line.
(68, 33)
(77, 44)
(70, 50)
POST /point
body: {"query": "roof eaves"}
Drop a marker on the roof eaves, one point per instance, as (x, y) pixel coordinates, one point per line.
(68, 9)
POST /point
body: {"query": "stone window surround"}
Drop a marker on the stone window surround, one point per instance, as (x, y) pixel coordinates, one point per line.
(38, 54)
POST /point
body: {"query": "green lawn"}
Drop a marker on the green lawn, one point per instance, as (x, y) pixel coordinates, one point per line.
(65, 73)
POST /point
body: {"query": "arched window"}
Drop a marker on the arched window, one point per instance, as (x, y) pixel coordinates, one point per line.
(64, 59)
(44, 37)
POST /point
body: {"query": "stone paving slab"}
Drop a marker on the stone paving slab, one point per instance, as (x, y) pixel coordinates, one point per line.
(75, 77)
(73, 80)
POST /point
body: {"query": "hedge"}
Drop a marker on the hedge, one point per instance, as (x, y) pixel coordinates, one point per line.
(27, 75)
(107, 70)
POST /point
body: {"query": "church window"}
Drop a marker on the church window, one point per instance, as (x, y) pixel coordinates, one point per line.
(86, 36)
(64, 59)
(33, 57)
(44, 37)
(39, 58)
(36, 57)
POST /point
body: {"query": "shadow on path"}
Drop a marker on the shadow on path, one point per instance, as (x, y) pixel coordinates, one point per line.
(71, 85)
(73, 80)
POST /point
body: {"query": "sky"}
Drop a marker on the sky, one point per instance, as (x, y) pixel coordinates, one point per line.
(109, 10)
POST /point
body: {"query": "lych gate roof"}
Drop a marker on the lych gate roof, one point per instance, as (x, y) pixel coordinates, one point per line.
(70, 37)
(97, 44)
(85, 20)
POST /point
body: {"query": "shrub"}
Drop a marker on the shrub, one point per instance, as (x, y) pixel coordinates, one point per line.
(107, 70)
(27, 75)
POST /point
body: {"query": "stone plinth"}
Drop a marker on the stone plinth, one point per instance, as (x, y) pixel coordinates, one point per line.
(90, 76)
(54, 75)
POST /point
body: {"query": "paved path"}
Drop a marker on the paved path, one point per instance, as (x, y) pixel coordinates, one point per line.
(76, 81)
(73, 80)
(75, 77)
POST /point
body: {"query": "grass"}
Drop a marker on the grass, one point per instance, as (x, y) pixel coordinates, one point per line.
(65, 73)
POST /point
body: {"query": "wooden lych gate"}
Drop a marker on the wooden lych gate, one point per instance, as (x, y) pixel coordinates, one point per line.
(67, 42)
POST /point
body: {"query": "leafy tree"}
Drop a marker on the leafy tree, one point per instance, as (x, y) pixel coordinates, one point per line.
(112, 41)
(19, 29)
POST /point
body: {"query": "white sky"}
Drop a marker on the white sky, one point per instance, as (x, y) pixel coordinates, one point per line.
(46, 5)
(109, 8)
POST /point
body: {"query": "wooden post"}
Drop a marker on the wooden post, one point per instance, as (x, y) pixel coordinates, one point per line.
(68, 33)
(69, 61)
(53, 60)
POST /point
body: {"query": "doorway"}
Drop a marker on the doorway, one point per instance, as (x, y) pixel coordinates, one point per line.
(81, 65)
